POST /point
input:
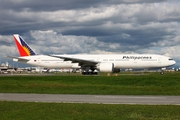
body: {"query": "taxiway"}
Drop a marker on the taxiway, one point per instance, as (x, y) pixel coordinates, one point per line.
(95, 99)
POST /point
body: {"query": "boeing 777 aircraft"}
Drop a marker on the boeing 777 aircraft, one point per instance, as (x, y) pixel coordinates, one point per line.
(90, 63)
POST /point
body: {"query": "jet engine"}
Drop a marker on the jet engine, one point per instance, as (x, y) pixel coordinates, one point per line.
(106, 67)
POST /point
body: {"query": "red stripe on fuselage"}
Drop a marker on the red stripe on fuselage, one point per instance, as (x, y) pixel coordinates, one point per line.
(22, 52)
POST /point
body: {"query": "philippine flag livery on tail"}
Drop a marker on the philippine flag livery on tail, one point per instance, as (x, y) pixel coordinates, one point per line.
(23, 47)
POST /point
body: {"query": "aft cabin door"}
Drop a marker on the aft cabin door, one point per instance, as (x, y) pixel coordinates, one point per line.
(38, 60)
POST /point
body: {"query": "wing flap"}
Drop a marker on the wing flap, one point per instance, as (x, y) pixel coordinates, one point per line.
(82, 62)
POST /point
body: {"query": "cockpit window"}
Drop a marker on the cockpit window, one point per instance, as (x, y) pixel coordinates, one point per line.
(170, 59)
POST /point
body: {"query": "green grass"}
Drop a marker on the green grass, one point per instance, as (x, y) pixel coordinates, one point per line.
(132, 84)
(63, 111)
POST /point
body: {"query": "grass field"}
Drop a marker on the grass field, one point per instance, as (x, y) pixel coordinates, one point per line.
(123, 84)
(63, 111)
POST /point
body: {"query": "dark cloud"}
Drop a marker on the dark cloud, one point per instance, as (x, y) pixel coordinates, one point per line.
(25, 19)
(137, 35)
(53, 5)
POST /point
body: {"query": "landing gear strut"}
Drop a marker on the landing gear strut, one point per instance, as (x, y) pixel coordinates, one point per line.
(162, 71)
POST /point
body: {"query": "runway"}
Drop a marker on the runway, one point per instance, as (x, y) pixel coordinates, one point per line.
(95, 99)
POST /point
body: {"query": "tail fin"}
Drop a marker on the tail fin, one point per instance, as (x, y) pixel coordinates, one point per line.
(23, 47)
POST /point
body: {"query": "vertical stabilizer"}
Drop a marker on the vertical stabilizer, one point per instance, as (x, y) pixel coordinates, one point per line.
(23, 47)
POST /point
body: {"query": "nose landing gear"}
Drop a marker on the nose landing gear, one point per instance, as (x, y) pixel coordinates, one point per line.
(162, 71)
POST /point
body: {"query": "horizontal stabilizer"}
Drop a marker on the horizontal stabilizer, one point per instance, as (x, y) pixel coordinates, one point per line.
(19, 59)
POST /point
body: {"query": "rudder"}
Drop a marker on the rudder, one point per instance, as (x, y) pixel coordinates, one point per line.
(23, 47)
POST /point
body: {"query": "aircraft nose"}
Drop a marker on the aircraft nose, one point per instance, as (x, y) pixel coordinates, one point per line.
(174, 62)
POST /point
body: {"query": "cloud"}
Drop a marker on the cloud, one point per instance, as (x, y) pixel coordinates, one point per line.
(55, 5)
(64, 44)
(78, 26)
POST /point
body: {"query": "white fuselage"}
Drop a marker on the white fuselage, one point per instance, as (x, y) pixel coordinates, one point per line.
(144, 61)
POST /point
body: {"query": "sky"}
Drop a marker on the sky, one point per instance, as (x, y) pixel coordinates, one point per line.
(91, 27)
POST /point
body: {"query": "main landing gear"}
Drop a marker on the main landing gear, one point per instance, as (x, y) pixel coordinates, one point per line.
(89, 72)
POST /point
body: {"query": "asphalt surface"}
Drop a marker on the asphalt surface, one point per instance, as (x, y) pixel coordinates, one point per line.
(96, 99)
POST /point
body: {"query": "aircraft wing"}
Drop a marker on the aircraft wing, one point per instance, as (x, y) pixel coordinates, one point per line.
(82, 62)
(19, 59)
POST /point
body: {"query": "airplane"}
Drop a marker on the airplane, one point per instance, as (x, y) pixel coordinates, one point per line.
(90, 63)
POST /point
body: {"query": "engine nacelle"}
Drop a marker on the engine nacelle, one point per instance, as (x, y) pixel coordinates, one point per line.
(116, 71)
(76, 66)
(106, 67)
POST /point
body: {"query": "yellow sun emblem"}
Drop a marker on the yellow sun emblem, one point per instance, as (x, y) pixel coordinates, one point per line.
(27, 50)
